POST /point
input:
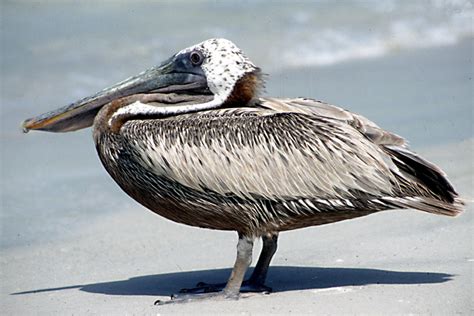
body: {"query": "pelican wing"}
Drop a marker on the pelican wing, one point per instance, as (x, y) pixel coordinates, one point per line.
(264, 153)
(420, 184)
(322, 109)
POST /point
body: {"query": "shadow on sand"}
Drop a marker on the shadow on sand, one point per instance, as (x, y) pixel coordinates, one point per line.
(280, 278)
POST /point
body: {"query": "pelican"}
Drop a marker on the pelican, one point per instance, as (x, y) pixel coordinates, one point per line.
(193, 141)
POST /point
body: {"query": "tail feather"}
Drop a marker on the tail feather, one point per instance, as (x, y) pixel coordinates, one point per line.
(428, 188)
(427, 204)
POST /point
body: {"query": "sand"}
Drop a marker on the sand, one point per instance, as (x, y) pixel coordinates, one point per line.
(74, 244)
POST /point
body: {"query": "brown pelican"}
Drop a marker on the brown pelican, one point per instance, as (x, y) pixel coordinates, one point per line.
(192, 141)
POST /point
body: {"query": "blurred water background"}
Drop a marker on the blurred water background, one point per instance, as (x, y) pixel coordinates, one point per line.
(407, 65)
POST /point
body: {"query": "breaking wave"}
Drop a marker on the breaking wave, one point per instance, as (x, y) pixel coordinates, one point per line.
(382, 27)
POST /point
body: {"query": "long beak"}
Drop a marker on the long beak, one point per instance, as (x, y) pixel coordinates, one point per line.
(166, 78)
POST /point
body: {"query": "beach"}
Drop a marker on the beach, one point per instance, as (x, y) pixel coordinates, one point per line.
(72, 243)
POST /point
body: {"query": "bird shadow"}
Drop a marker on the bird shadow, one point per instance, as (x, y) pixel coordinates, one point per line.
(280, 278)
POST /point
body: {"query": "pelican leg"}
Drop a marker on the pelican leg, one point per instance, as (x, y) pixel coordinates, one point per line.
(231, 289)
(244, 259)
(256, 282)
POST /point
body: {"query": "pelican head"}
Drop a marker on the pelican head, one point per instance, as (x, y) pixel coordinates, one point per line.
(216, 67)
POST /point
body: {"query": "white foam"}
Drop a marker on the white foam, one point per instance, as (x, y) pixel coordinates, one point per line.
(437, 23)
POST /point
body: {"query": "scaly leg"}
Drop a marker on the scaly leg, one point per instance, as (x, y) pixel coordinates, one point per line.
(256, 282)
(244, 259)
(232, 289)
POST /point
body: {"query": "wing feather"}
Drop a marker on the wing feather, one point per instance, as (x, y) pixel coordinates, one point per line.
(272, 154)
(321, 109)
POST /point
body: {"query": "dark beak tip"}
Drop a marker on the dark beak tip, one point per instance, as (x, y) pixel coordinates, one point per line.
(24, 126)
(30, 124)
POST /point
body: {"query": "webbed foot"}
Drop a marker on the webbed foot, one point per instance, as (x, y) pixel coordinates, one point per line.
(193, 297)
(246, 287)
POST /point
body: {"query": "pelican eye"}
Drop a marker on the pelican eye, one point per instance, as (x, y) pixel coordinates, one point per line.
(196, 58)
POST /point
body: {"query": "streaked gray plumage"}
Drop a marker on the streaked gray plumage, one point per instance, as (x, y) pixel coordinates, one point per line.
(223, 158)
(278, 165)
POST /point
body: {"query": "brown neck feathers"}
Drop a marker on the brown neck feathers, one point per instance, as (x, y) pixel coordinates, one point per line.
(245, 89)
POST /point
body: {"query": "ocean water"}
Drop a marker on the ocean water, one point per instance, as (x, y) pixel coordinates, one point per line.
(280, 35)
(405, 64)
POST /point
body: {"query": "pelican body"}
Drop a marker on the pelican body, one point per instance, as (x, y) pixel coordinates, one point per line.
(192, 141)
